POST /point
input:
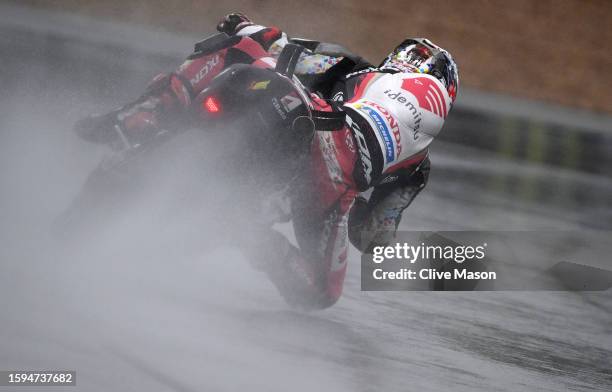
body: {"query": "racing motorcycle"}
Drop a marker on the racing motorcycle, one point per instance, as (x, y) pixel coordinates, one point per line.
(265, 115)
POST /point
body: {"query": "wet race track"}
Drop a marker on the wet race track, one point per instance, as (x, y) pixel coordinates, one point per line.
(136, 305)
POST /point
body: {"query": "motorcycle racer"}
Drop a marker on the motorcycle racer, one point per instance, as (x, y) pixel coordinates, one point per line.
(335, 73)
(392, 113)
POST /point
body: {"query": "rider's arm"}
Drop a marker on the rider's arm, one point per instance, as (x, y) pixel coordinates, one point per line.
(164, 103)
(273, 40)
(374, 222)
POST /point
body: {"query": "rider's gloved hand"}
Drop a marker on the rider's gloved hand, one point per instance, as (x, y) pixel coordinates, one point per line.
(120, 129)
(233, 23)
(98, 128)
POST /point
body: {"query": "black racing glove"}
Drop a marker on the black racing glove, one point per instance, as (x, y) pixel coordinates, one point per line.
(110, 129)
(98, 128)
(233, 23)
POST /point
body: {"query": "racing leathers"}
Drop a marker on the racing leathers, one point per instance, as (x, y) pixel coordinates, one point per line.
(391, 118)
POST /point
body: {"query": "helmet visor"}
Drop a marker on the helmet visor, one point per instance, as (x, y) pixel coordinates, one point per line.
(411, 58)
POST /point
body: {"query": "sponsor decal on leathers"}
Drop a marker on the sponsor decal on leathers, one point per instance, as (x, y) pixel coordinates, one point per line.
(364, 153)
(206, 68)
(383, 131)
(393, 124)
(428, 94)
(416, 114)
(391, 139)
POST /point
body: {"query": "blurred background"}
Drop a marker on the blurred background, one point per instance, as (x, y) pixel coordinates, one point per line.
(140, 304)
(548, 50)
(548, 55)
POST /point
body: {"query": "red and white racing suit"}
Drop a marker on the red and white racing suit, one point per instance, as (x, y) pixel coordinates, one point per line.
(391, 119)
